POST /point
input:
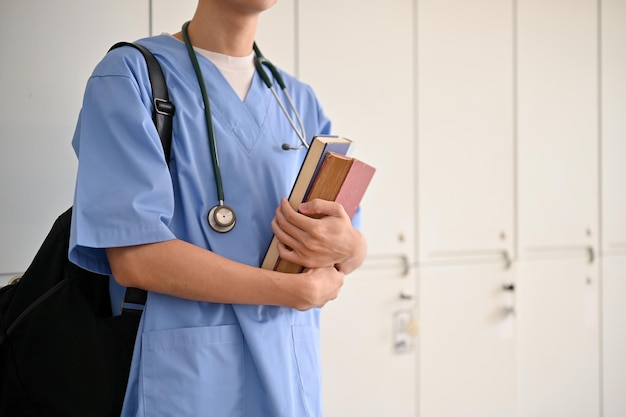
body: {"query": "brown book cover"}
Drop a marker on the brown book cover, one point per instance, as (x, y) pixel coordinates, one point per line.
(342, 179)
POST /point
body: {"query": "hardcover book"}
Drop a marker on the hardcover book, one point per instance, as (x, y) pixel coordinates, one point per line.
(329, 174)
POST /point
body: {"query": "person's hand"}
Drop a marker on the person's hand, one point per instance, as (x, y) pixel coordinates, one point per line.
(320, 235)
(314, 287)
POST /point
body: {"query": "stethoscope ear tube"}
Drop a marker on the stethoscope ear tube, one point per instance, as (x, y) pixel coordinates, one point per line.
(258, 65)
(259, 61)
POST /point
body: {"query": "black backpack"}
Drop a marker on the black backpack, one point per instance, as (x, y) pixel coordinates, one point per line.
(62, 352)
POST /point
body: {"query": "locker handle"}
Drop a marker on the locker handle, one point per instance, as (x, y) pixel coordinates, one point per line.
(382, 261)
(507, 259)
(589, 250)
(591, 253)
(405, 295)
(461, 256)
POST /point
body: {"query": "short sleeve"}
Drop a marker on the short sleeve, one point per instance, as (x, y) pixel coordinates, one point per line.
(123, 193)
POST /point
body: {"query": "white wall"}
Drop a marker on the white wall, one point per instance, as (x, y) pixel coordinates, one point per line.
(499, 126)
(45, 65)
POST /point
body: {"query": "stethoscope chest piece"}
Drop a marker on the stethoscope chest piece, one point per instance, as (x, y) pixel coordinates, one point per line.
(221, 218)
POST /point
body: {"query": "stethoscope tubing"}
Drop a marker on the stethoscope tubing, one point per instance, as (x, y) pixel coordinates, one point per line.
(207, 115)
(221, 217)
(259, 62)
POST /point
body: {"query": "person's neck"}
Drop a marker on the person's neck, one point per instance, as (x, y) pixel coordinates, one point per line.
(226, 33)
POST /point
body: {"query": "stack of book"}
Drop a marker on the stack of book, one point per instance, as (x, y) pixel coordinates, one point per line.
(329, 174)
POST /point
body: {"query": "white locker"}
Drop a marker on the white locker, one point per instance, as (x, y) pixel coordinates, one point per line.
(613, 335)
(613, 203)
(558, 353)
(368, 346)
(46, 62)
(358, 58)
(465, 111)
(557, 125)
(467, 341)
(558, 339)
(613, 124)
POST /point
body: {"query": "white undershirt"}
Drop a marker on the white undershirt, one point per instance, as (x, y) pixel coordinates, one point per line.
(239, 71)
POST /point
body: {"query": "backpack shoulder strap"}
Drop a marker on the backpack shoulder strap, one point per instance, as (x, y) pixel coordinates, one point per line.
(163, 109)
(162, 113)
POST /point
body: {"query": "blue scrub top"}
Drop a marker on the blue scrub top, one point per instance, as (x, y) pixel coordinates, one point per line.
(194, 358)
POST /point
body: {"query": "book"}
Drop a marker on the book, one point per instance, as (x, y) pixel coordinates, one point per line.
(319, 147)
(353, 187)
(339, 178)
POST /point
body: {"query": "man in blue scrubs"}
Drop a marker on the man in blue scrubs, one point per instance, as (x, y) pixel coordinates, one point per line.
(219, 336)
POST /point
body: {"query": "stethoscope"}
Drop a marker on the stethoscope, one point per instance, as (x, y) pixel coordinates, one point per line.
(221, 217)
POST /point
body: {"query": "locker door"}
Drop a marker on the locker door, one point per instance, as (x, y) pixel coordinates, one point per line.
(613, 68)
(368, 346)
(464, 129)
(613, 335)
(558, 338)
(357, 57)
(557, 74)
(467, 341)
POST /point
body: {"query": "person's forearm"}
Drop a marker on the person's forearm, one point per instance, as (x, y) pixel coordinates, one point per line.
(183, 270)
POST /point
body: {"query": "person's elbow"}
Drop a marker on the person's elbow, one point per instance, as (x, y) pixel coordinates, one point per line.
(126, 265)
